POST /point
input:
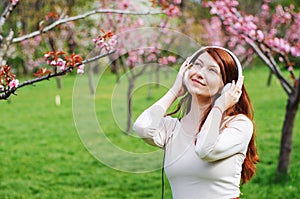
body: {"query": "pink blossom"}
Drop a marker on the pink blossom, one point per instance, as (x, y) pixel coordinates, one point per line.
(265, 7)
(173, 11)
(53, 63)
(132, 60)
(252, 33)
(295, 51)
(14, 2)
(13, 83)
(260, 35)
(80, 69)
(38, 39)
(61, 63)
(112, 42)
(47, 55)
(290, 68)
(177, 1)
(99, 41)
(286, 47)
(152, 49)
(107, 47)
(213, 11)
(123, 4)
(140, 22)
(281, 59)
(151, 57)
(163, 61)
(276, 42)
(140, 51)
(171, 59)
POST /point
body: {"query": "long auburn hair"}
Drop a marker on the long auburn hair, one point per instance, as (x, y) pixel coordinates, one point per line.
(243, 106)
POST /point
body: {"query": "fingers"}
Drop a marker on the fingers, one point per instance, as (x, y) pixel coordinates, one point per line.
(237, 86)
(232, 95)
(186, 65)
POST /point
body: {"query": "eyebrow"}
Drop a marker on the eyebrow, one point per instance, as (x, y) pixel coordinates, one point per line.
(202, 63)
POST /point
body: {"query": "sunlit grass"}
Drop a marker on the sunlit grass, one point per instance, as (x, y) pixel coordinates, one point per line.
(42, 155)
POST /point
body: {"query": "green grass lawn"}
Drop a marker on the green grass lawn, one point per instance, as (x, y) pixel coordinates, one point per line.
(43, 156)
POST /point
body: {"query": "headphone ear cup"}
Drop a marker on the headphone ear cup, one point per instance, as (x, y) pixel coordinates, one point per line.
(226, 88)
(186, 77)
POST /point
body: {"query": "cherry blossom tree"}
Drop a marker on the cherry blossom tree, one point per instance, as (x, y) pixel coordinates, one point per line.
(60, 63)
(274, 38)
(136, 47)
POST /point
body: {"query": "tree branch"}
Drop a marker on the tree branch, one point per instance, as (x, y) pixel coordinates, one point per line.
(47, 77)
(272, 65)
(6, 44)
(6, 12)
(74, 18)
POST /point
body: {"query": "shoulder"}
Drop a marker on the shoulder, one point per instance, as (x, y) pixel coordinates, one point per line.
(240, 122)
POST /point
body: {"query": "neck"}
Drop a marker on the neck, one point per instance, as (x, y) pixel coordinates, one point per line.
(198, 108)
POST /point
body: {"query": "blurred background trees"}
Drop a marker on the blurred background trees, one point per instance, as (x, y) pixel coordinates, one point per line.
(26, 56)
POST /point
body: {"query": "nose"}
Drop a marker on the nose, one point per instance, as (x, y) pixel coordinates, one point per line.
(199, 72)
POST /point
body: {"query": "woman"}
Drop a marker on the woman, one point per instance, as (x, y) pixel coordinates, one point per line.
(210, 148)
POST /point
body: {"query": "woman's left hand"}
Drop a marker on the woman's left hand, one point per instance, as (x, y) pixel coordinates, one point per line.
(231, 96)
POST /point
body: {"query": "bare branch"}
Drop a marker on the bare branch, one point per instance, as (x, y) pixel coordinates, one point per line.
(273, 67)
(6, 12)
(97, 57)
(74, 18)
(5, 45)
(47, 77)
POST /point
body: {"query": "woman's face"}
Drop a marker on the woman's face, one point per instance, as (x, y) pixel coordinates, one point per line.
(204, 77)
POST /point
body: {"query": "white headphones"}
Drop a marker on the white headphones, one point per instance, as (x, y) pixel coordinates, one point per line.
(236, 60)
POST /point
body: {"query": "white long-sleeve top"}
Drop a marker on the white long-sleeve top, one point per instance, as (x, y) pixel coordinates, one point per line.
(211, 169)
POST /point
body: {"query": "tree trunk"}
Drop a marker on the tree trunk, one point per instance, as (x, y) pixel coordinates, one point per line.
(129, 104)
(157, 76)
(287, 136)
(150, 85)
(59, 83)
(269, 78)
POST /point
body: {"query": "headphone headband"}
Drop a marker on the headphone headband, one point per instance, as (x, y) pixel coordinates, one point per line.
(236, 60)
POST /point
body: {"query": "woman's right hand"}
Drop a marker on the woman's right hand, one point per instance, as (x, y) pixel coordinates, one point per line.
(178, 87)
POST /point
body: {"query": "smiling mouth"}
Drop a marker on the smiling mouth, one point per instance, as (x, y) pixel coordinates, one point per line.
(198, 82)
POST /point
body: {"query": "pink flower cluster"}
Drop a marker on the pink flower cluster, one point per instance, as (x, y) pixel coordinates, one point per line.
(7, 79)
(145, 47)
(14, 83)
(173, 11)
(279, 43)
(123, 4)
(57, 59)
(167, 60)
(150, 55)
(106, 43)
(14, 2)
(135, 57)
(263, 28)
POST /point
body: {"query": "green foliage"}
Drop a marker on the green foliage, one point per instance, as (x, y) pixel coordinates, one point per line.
(42, 155)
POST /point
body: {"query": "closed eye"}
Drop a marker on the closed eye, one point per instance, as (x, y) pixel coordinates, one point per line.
(213, 69)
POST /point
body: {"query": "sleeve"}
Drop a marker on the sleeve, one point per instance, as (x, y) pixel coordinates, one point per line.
(234, 138)
(153, 127)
